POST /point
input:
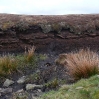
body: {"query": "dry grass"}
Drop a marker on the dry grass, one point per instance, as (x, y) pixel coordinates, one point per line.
(82, 64)
(8, 64)
(29, 54)
(61, 59)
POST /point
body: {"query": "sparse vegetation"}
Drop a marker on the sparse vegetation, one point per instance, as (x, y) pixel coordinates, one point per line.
(52, 84)
(29, 55)
(8, 64)
(83, 89)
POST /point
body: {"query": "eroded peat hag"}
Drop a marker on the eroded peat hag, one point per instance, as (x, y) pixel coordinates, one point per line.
(36, 71)
(59, 33)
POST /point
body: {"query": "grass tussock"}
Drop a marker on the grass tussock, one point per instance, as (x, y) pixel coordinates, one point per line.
(82, 64)
(8, 64)
(29, 54)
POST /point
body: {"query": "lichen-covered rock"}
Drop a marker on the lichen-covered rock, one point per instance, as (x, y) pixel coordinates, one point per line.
(8, 82)
(33, 86)
(21, 80)
(21, 95)
(6, 90)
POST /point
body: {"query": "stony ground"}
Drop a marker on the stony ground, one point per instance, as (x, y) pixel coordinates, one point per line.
(32, 82)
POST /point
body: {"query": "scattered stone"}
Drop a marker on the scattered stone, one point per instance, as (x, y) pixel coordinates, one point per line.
(21, 90)
(33, 97)
(21, 95)
(33, 86)
(98, 76)
(6, 90)
(78, 88)
(8, 82)
(21, 80)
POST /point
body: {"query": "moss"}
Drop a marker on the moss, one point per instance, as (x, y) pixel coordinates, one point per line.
(22, 25)
(96, 22)
(7, 25)
(90, 27)
(56, 27)
(21, 95)
(52, 84)
(89, 90)
(33, 78)
(46, 28)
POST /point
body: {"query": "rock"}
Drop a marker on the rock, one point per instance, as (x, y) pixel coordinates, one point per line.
(98, 76)
(33, 97)
(33, 86)
(78, 88)
(21, 95)
(6, 90)
(19, 91)
(21, 80)
(8, 82)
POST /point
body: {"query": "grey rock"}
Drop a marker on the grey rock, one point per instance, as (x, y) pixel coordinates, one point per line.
(6, 90)
(8, 82)
(98, 76)
(21, 95)
(33, 97)
(19, 91)
(33, 86)
(21, 80)
(78, 88)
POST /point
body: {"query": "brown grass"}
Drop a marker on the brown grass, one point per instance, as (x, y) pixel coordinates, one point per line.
(8, 65)
(29, 54)
(82, 64)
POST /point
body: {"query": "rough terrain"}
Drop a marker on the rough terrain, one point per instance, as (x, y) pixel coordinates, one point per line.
(51, 35)
(59, 33)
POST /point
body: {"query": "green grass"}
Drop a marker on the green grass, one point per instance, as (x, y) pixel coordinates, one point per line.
(14, 63)
(10, 63)
(83, 89)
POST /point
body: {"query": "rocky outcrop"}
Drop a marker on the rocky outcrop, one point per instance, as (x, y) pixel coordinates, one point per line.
(48, 33)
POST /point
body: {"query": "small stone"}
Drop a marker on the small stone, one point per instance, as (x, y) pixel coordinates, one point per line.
(21, 90)
(78, 88)
(21, 95)
(33, 86)
(33, 97)
(39, 90)
(98, 76)
(21, 80)
(8, 82)
(6, 90)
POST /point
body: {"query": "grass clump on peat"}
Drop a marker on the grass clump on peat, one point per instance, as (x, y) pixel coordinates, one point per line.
(29, 55)
(8, 64)
(81, 64)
